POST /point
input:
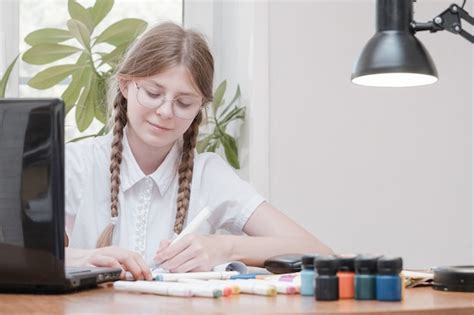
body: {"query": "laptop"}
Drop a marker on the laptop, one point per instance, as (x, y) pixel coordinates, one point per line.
(32, 201)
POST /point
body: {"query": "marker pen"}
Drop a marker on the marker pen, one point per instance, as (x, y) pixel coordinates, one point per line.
(215, 275)
(249, 276)
(201, 217)
(223, 288)
(204, 290)
(251, 288)
(160, 288)
(281, 287)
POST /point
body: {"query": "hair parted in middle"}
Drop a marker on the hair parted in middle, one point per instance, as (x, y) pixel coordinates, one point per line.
(159, 49)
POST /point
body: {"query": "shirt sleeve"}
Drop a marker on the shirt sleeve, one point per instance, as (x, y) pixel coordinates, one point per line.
(231, 199)
(75, 174)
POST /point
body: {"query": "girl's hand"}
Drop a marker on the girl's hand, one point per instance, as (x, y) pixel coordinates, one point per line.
(193, 253)
(111, 256)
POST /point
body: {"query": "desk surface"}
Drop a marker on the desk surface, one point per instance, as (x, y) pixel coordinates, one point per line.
(107, 301)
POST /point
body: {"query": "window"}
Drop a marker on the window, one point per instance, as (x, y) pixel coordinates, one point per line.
(37, 14)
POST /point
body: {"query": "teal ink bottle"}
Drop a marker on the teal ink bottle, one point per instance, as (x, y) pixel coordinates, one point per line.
(327, 283)
(307, 275)
(388, 280)
(365, 268)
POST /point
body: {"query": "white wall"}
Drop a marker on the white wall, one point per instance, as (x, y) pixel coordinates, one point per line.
(370, 169)
(365, 169)
(238, 34)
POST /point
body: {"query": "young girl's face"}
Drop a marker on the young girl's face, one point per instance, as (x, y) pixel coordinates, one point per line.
(161, 125)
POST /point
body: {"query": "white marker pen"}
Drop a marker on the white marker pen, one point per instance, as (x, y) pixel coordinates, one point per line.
(251, 287)
(160, 288)
(216, 275)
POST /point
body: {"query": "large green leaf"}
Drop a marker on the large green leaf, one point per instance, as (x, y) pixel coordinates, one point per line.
(80, 32)
(114, 56)
(123, 31)
(52, 76)
(103, 131)
(71, 93)
(203, 143)
(100, 106)
(79, 13)
(218, 95)
(47, 35)
(45, 53)
(81, 138)
(230, 150)
(85, 107)
(236, 113)
(79, 80)
(100, 9)
(213, 147)
(6, 76)
(229, 106)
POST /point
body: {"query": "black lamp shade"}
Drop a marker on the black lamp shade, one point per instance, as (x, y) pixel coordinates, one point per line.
(394, 57)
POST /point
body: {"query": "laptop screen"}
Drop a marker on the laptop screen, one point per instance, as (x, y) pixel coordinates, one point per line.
(31, 186)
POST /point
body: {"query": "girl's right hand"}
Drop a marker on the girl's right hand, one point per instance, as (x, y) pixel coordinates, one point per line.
(112, 256)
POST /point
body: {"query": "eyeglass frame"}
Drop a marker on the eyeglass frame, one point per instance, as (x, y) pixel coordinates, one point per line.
(173, 100)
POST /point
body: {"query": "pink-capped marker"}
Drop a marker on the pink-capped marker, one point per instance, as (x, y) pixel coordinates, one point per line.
(251, 288)
(226, 290)
(281, 287)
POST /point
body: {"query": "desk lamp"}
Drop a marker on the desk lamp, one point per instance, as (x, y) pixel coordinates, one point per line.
(394, 57)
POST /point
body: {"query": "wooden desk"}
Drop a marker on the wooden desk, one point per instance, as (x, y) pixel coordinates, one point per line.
(107, 301)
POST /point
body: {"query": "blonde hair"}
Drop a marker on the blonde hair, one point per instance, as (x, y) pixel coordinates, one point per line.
(160, 48)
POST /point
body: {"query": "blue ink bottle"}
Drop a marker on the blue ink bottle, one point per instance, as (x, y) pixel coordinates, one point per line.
(307, 275)
(388, 280)
(327, 283)
(365, 268)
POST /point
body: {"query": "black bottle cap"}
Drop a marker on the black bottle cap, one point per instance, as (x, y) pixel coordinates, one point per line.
(308, 261)
(366, 264)
(346, 262)
(326, 265)
(389, 265)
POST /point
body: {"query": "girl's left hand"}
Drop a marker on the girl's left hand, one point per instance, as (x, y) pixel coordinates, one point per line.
(193, 253)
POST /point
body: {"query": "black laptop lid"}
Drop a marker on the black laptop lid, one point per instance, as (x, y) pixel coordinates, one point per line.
(31, 192)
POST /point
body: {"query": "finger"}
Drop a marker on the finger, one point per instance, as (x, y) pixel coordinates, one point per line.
(163, 244)
(145, 270)
(173, 263)
(131, 265)
(173, 250)
(193, 264)
(104, 261)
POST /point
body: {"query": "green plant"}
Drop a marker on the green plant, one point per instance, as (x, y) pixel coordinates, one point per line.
(221, 116)
(87, 88)
(6, 76)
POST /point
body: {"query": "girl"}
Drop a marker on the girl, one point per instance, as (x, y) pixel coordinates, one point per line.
(130, 191)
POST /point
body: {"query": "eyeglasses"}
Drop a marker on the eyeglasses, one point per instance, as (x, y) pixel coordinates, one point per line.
(184, 106)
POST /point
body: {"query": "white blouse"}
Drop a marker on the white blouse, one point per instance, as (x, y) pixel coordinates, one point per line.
(147, 204)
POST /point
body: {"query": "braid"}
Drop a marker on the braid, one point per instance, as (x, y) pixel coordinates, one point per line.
(120, 110)
(185, 172)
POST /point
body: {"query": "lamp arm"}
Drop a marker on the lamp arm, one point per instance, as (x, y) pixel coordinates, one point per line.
(450, 20)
